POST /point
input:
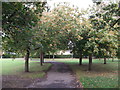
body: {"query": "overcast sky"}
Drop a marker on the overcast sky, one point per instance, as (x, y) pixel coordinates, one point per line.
(82, 4)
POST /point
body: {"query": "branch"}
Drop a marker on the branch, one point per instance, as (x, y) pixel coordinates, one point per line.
(37, 48)
(112, 25)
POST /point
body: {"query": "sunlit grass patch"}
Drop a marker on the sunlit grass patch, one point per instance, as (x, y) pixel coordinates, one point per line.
(16, 67)
(12, 66)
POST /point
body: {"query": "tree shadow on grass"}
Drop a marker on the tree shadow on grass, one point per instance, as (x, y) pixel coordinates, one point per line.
(97, 67)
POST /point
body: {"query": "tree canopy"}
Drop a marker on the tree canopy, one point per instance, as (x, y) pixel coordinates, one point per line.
(28, 27)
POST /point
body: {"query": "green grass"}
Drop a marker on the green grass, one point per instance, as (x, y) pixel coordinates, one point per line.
(75, 61)
(99, 82)
(16, 67)
(101, 76)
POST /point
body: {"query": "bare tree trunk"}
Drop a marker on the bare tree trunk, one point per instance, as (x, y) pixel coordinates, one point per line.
(104, 60)
(99, 57)
(80, 59)
(49, 56)
(41, 59)
(90, 62)
(53, 56)
(112, 59)
(27, 61)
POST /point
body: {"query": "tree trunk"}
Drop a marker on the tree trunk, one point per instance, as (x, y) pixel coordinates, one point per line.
(99, 58)
(90, 62)
(112, 59)
(104, 60)
(49, 56)
(41, 59)
(27, 61)
(53, 56)
(80, 59)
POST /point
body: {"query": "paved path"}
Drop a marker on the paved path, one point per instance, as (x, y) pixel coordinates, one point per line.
(59, 76)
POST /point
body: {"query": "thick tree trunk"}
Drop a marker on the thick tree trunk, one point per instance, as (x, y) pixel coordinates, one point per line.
(104, 60)
(41, 59)
(90, 62)
(80, 59)
(27, 61)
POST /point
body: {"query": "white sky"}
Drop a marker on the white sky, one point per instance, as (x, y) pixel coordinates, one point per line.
(82, 4)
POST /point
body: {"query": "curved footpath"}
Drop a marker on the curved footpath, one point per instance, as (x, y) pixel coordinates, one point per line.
(59, 76)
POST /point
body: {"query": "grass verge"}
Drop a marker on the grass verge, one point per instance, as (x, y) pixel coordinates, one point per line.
(101, 76)
(16, 67)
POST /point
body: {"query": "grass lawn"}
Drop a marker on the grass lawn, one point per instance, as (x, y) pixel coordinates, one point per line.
(16, 67)
(101, 76)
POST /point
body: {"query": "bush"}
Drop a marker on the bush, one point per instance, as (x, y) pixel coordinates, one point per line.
(6, 56)
(63, 56)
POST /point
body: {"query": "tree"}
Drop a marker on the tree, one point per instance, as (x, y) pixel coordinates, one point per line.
(106, 27)
(70, 22)
(58, 25)
(18, 22)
